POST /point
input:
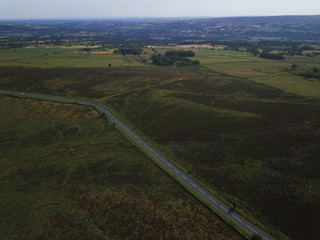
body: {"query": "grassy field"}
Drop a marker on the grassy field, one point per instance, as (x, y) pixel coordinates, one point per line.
(235, 63)
(66, 174)
(247, 126)
(63, 57)
(269, 72)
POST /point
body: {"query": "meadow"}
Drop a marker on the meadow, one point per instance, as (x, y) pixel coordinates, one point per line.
(66, 173)
(246, 126)
(268, 72)
(61, 57)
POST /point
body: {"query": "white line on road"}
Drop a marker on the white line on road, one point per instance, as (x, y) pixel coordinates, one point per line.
(265, 238)
(237, 218)
(176, 170)
(193, 184)
(184, 177)
(224, 208)
(169, 165)
(212, 199)
(252, 229)
(202, 191)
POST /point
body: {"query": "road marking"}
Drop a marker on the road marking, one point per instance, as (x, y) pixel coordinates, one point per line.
(184, 177)
(176, 170)
(193, 184)
(212, 199)
(237, 218)
(224, 208)
(202, 191)
(265, 238)
(169, 165)
(252, 229)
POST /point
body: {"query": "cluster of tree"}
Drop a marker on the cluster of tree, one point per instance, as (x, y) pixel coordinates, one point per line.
(160, 60)
(285, 47)
(177, 58)
(128, 50)
(272, 56)
(253, 50)
(180, 53)
(308, 47)
(306, 73)
(187, 62)
(313, 54)
(311, 74)
(88, 50)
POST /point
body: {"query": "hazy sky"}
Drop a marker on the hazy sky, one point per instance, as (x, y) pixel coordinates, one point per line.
(22, 9)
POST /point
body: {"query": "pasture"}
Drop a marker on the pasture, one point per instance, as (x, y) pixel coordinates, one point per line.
(62, 58)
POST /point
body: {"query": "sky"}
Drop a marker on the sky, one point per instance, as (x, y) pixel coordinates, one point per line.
(48, 9)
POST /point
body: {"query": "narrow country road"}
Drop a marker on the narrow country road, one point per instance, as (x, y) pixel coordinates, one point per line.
(193, 187)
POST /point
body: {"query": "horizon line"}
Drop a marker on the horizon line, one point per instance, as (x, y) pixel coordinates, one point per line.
(146, 17)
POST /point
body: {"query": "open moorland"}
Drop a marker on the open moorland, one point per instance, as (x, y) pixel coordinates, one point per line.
(257, 143)
(66, 173)
(246, 126)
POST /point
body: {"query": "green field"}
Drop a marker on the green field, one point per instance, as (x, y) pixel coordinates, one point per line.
(269, 72)
(246, 126)
(63, 57)
(65, 173)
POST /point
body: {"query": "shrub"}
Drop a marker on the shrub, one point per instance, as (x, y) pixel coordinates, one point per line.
(272, 56)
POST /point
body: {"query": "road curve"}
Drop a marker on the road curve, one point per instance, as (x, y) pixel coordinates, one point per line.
(193, 187)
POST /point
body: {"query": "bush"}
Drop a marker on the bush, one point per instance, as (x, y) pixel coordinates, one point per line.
(128, 50)
(294, 66)
(272, 56)
(195, 63)
(180, 53)
(174, 58)
(163, 61)
(255, 237)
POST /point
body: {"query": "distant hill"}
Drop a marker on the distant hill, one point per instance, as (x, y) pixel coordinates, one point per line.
(297, 28)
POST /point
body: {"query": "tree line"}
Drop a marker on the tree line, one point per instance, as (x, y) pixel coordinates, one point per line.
(178, 58)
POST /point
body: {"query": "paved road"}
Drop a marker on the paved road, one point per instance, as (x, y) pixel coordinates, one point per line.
(211, 201)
